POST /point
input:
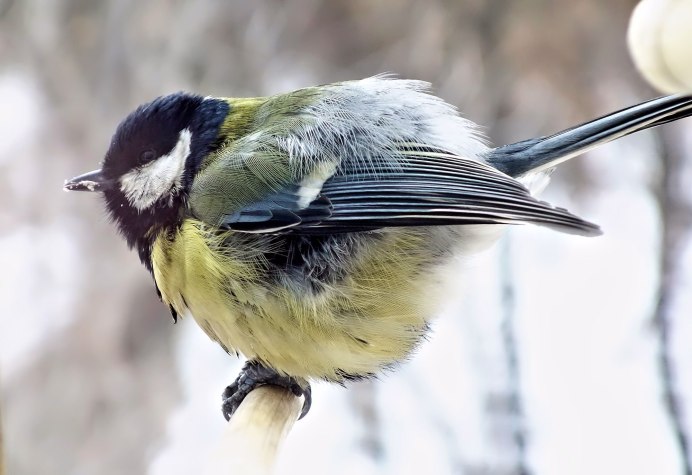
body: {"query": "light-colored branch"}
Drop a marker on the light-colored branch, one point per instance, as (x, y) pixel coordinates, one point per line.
(252, 439)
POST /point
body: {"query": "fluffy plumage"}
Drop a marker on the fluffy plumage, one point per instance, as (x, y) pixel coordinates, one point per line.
(309, 230)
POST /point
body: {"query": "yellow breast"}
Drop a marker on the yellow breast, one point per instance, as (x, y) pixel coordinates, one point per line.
(368, 320)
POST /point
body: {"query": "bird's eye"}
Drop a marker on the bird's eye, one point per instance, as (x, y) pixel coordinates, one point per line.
(147, 156)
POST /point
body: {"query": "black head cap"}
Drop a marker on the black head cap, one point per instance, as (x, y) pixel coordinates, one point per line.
(149, 132)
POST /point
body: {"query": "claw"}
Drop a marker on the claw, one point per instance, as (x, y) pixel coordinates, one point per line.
(307, 401)
(253, 375)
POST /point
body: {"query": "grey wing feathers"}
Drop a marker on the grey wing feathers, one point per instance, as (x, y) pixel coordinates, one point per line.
(426, 188)
(435, 188)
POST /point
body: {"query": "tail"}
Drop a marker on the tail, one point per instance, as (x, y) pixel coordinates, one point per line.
(534, 155)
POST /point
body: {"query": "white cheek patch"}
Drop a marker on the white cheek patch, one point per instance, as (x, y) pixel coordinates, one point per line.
(145, 185)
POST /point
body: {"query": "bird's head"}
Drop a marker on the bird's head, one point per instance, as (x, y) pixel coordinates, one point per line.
(152, 159)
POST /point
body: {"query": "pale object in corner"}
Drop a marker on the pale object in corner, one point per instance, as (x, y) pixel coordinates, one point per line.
(660, 42)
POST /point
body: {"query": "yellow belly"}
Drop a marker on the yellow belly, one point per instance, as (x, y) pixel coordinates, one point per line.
(366, 321)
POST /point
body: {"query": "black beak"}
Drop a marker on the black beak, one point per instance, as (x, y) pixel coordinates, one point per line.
(92, 181)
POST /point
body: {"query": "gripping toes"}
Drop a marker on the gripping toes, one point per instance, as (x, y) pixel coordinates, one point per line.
(253, 375)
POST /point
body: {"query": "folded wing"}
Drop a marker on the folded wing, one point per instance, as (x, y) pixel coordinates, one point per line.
(426, 187)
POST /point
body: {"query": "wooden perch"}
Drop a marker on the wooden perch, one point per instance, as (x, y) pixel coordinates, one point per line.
(252, 439)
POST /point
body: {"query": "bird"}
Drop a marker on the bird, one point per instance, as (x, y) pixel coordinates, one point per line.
(308, 231)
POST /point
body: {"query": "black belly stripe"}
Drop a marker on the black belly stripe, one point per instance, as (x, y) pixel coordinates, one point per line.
(317, 260)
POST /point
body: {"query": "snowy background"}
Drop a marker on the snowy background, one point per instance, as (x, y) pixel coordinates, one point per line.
(557, 354)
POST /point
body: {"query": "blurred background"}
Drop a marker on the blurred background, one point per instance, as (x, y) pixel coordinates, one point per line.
(557, 354)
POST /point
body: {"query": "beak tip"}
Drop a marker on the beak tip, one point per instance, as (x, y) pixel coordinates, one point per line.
(92, 181)
(81, 186)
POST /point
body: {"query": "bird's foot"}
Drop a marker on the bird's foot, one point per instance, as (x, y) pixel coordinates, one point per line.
(254, 374)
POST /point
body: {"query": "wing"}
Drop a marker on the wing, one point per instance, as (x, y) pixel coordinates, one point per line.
(436, 188)
(426, 187)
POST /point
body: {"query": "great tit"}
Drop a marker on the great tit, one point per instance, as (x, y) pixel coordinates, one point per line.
(309, 231)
